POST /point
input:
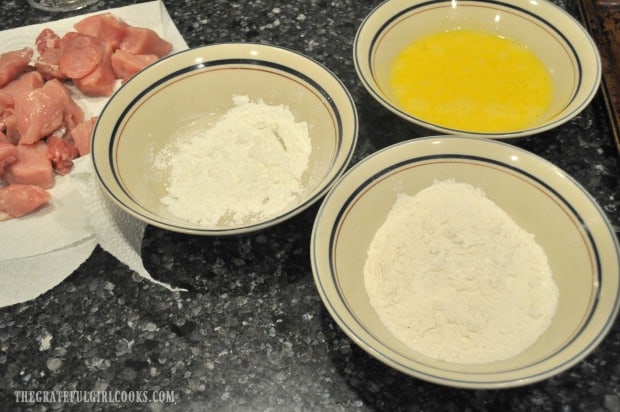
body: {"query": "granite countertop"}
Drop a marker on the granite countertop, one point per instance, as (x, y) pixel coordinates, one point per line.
(251, 333)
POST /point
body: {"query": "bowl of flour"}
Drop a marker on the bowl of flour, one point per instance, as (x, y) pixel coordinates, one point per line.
(465, 262)
(225, 139)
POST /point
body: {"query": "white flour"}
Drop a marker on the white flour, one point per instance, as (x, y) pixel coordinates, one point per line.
(454, 277)
(247, 166)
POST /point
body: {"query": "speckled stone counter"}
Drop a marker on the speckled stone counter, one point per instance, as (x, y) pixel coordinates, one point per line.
(252, 333)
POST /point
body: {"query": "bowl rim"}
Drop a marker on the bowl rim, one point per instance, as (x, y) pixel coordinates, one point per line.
(340, 162)
(360, 55)
(328, 219)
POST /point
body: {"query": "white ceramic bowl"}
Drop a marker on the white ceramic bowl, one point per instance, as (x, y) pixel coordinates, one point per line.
(197, 84)
(560, 41)
(567, 223)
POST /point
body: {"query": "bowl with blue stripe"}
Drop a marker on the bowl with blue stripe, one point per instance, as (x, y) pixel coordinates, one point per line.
(559, 41)
(197, 87)
(580, 244)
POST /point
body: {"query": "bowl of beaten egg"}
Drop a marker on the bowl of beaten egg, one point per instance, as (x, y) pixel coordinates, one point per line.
(466, 262)
(224, 139)
(494, 69)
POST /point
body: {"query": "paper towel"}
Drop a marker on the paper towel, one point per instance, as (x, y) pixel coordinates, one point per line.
(40, 250)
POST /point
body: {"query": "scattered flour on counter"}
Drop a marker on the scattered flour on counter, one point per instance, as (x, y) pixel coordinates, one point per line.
(452, 276)
(247, 166)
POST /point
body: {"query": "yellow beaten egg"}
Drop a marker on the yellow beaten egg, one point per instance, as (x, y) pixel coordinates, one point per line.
(471, 80)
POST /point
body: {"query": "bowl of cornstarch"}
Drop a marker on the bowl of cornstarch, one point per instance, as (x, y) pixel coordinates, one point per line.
(466, 262)
(224, 139)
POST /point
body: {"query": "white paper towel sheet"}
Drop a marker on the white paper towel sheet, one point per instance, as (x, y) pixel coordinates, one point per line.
(40, 250)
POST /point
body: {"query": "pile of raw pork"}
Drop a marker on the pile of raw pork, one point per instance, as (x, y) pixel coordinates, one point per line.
(42, 129)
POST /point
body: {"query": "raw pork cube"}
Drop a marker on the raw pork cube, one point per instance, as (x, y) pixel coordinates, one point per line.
(32, 167)
(19, 200)
(140, 40)
(14, 63)
(38, 114)
(101, 81)
(61, 151)
(82, 135)
(48, 61)
(106, 27)
(80, 54)
(127, 64)
(45, 110)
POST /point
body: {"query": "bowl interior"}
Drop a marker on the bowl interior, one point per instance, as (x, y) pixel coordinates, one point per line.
(555, 37)
(189, 92)
(575, 235)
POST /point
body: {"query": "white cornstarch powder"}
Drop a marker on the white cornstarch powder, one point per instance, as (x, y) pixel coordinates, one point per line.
(452, 276)
(248, 165)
